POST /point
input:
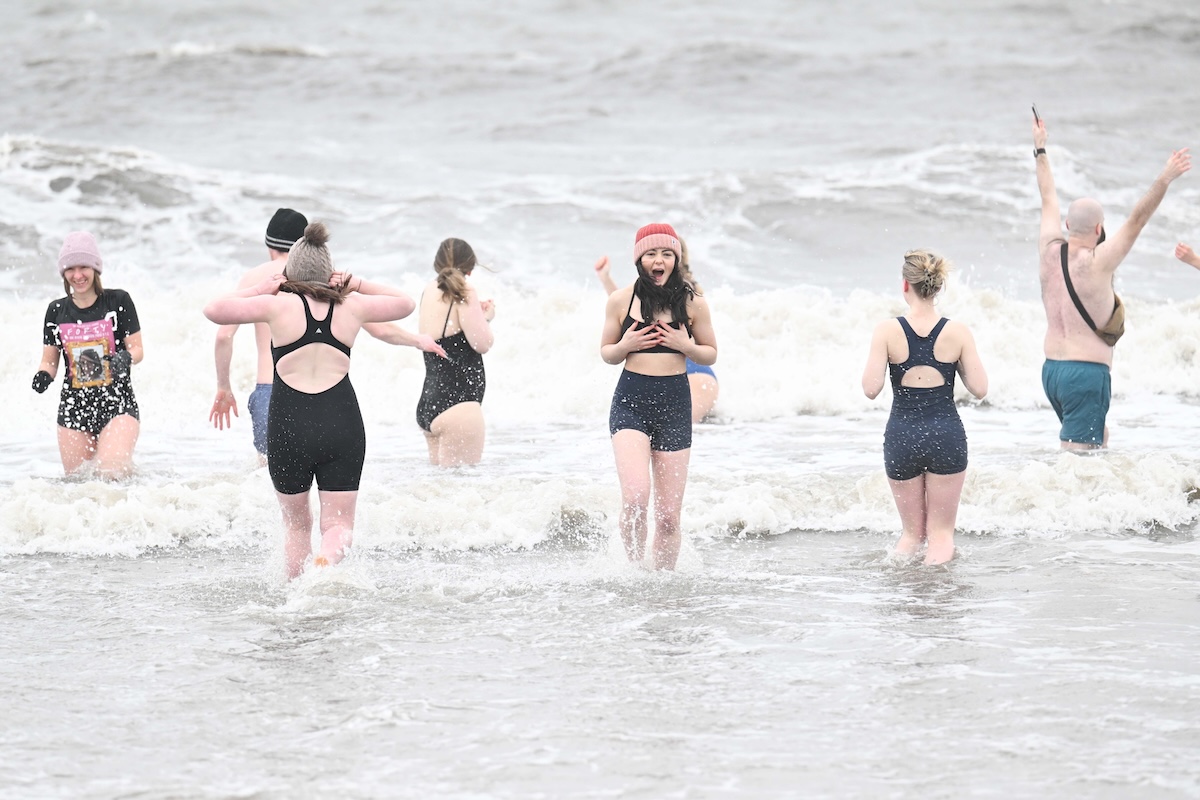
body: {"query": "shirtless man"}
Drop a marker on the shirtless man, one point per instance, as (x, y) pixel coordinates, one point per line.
(1075, 375)
(283, 230)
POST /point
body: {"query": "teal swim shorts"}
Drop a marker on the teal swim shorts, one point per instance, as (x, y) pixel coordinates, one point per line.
(1080, 392)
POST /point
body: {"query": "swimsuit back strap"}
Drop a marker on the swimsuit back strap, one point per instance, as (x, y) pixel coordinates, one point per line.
(307, 311)
(937, 329)
(447, 322)
(632, 295)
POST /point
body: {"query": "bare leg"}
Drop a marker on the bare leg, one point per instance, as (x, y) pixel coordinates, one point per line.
(942, 493)
(74, 448)
(670, 479)
(910, 502)
(632, 451)
(337, 526)
(431, 442)
(297, 531)
(114, 447)
(459, 432)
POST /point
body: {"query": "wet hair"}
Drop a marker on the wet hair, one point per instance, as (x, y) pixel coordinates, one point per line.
(309, 267)
(455, 260)
(925, 272)
(672, 296)
(99, 289)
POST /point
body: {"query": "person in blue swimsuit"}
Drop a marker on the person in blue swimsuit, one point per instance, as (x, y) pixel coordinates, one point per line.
(450, 411)
(314, 426)
(652, 326)
(924, 445)
(701, 379)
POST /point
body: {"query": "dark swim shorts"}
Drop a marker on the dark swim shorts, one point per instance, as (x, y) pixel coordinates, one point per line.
(658, 406)
(1080, 392)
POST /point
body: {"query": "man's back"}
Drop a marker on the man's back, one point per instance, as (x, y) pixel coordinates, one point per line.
(1068, 337)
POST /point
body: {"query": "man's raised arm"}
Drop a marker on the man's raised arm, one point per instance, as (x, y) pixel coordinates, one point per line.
(1051, 225)
(1116, 248)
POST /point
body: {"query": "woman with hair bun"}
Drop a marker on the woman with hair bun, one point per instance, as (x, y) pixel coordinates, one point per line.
(314, 427)
(450, 410)
(924, 445)
(96, 331)
(654, 325)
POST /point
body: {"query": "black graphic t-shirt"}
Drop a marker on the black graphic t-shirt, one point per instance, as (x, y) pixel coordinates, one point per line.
(87, 335)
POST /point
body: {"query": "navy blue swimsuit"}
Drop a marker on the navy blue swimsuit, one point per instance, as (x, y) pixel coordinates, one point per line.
(924, 432)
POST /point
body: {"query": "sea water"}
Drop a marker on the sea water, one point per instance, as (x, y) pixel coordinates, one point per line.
(486, 637)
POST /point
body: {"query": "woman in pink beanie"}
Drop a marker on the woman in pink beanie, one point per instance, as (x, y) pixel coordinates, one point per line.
(654, 325)
(96, 330)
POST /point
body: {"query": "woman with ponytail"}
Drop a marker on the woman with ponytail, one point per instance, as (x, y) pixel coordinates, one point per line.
(314, 427)
(925, 445)
(450, 410)
(652, 326)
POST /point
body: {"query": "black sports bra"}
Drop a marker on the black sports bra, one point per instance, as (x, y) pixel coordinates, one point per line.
(637, 326)
(314, 333)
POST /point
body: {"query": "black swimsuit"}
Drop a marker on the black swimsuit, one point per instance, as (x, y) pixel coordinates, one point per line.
(924, 432)
(318, 434)
(637, 325)
(659, 406)
(459, 378)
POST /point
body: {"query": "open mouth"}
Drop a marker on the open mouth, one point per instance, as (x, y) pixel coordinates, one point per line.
(657, 273)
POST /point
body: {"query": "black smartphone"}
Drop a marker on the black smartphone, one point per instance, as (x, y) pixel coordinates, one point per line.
(1036, 118)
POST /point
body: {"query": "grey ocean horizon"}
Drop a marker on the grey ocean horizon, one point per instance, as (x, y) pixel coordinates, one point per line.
(486, 639)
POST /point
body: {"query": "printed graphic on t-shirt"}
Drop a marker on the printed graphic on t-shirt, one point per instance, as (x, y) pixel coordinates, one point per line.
(86, 345)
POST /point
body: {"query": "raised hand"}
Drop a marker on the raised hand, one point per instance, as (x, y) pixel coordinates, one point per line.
(270, 285)
(1179, 163)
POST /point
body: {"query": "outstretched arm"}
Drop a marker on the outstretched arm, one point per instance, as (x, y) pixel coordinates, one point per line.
(1187, 255)
(1051, 225)
(382, 303)
(393, 334)
(252, 304)
(1114, 250)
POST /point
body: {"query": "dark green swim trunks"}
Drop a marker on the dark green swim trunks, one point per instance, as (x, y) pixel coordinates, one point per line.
(1080, 392)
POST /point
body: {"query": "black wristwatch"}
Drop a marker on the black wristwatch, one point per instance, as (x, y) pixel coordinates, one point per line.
(1038, 151)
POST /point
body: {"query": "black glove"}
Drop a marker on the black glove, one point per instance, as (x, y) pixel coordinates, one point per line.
(119, 362)
(42, 381)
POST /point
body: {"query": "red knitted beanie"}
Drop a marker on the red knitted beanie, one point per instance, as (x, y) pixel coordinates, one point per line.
(658, 234)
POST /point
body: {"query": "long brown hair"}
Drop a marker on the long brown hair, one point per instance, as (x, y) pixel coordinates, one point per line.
(455, 260)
